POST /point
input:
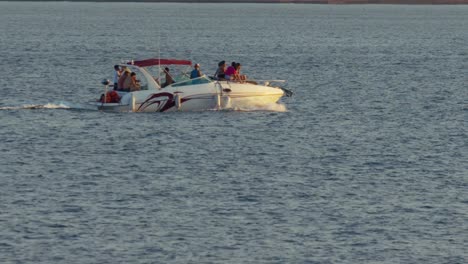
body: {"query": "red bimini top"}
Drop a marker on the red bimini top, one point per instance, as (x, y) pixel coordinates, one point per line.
(155, 62)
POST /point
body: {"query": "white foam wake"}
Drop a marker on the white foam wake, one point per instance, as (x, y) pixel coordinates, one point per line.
(273, 107)
(59, 105)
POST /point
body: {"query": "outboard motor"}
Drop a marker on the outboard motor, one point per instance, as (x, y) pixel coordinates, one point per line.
(106, 83)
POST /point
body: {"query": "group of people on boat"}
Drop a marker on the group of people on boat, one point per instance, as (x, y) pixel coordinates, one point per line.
(231, 73)
(125, 80)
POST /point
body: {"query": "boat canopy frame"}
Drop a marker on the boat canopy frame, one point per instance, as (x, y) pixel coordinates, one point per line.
(159, 62)
(147, 64)
(152, 84)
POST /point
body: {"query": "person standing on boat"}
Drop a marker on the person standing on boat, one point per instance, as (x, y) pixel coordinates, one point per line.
(126, 83)
(196, 72)
(169, 79)
(117, 73)
(121, 83)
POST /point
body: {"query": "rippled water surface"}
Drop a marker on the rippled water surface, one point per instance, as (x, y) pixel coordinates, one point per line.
(368, 164)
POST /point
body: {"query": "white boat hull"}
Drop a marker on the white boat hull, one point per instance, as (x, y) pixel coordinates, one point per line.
(206, 96)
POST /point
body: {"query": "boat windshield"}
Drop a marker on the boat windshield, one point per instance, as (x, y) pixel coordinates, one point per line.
(199, 80)
(178, 74)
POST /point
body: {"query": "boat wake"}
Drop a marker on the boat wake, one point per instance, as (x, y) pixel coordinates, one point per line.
(273, 107)
(59, 105)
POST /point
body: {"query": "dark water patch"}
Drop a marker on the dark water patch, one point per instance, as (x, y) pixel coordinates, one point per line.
(247, 198)
(5, 245)
(72, 209)
(59, 226)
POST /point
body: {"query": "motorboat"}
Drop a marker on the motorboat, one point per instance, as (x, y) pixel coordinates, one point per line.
(185, 94)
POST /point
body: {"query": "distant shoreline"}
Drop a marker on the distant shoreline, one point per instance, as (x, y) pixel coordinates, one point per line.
(332, 2)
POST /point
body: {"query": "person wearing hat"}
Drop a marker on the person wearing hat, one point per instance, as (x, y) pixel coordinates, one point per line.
(123, 77)
(127, 84)
(196, 71)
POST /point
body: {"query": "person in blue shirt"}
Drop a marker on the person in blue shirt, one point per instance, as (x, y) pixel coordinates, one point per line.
(196, 72)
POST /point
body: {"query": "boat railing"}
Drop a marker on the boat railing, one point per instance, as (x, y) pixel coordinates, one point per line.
(270, 82)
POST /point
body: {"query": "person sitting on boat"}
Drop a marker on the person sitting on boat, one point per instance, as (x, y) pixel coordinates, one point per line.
(134, 83)
(122, 80)
(110, 97)
(238, 76)
(220, 72)
(169, 79)
(231, 71)
(117, 73)
(196, 71)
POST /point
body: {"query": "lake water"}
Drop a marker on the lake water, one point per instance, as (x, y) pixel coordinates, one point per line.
(366, 163)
